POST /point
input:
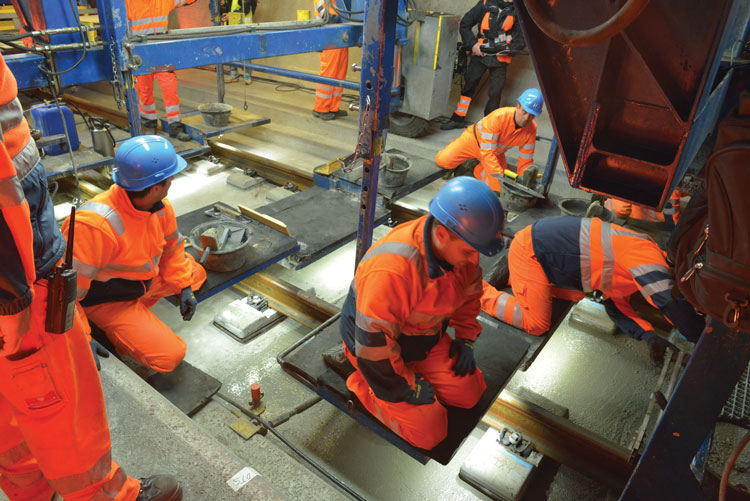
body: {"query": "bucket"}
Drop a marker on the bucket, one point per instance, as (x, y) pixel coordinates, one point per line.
(574, 206)
(215, 114)
(233, 252)
(46, 118)
(514, 199)
(394, 170)
(101, 138)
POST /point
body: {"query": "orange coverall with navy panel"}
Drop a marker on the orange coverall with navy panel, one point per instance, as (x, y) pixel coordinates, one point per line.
(566, 256)
(333, 64)
(127, 259)
(54, 434)
(488, 140)
(393, 326)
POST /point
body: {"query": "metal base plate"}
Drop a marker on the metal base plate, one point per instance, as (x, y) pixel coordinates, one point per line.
(58, 166)
(187, 387)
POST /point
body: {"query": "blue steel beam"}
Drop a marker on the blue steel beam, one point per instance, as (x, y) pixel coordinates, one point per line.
(378, 44)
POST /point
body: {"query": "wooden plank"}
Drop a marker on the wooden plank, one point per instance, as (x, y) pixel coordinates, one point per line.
(269, 221)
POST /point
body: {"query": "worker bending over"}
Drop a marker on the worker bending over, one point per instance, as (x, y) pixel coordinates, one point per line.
(489, 139)
(568, 256)
(54, 435)
(333, 64)
(129, 254)
(412, 284)
(151, 17)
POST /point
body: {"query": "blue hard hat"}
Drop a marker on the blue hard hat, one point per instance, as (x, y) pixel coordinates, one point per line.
(144, 161)
(471, 210)
(531, 100)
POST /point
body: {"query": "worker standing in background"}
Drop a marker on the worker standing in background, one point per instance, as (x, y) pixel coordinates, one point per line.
(129, 254)
(333, 64)
(234, 12)
(412, 284)
(54, 435)
(489, 139)
(498, 33)
(150, 17)
(567, 256)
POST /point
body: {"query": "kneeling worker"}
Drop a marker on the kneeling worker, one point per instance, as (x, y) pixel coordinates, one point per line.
(566, 256)
(489, 139)
(412, 284)
(129, 254)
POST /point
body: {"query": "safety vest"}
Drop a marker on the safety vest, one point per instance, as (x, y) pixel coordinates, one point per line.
(149, 17)
(399, 303)
(486, 31)
(15, 130)
(237, 13)
(320, 8)
(114, 240)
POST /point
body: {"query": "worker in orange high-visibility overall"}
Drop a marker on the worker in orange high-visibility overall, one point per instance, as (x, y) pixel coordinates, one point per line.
(333, 64)
(671, 213)
(129, 254)
(498, 29)
(150, 17)
(568, 256)
(412, 284)
(54, 435)
(489, 139)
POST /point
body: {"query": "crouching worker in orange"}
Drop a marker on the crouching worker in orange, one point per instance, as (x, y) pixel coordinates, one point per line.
(489, 139)
(567, 256)
(129, 254)
(670, 215)
(54, 435)
(412, 284)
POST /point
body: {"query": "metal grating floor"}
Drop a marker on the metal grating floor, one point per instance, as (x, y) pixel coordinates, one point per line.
(737, 408)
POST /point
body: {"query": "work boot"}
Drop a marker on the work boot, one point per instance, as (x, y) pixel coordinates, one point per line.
(177, 130)
(160, 488)
(148, 126)
(340, 113)
(453, 124)
(324, 116)
(500, 275)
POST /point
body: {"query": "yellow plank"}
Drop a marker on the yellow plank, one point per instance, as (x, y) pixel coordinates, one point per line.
(269, 221)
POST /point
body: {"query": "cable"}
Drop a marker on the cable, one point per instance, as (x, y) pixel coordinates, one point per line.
(83, 40)
(729, 465)
(286, 442)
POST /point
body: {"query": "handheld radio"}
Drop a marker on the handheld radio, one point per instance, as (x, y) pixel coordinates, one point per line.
(61, 296)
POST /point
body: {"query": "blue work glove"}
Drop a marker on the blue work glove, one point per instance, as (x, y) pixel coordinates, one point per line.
(188, 303)
(657, 347)
(98, 351)
(423, 392)
(465, 363)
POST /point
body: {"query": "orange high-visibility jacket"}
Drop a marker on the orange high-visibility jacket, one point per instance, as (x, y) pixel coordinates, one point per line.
(400, 303)
(149, 17)
(497, 133)
(119, 249)
(320, 8)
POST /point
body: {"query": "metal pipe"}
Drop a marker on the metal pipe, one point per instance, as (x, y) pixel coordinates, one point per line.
(297, 451)
(563, 441)
(283, 418)
(584, 38)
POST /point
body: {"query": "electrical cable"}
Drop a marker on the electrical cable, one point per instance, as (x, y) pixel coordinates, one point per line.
(83, 41)
(294, 448)
(724, 485)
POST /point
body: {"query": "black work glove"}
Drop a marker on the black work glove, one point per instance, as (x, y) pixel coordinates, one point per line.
(465, 363)
(657, 347)
(423, 392)
(99, 351)
(188, 303)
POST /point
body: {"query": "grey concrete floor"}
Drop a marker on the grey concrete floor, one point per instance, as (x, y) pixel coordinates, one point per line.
(604, 380)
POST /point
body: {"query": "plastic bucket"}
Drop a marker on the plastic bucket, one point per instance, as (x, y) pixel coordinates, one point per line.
(395, 170)
(215, 114)
(574, 206)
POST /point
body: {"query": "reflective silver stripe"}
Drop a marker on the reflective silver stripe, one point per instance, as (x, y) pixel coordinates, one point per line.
(376, 353)
(124, 268)
(150, 115)
(629, 234)
(656, 287)
(504, 146)
(148, 107)
(400, 249)
(528, 146)
(608, 265)
(98, 472)
(669, 211)
(338, 92)
(169, 248)
(465, 100)
(26, 159)
(150, 31)
(517, 316)
(107, 213)
(486, 135)
(11, 193)
(584, 244)
(323, 87)
(11, 115)
(177, 3)
(645, 269)
(15, 454)
(517, 320)
(488, 146)
(85, 269)
(173, 119)
(172, 235)
(172, 109)
(322, 95)
(155, 262)
(366, 324)
(137, 23)
(500, 308)
(526, 156)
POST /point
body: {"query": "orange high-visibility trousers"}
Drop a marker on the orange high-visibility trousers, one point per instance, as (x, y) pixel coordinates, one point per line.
(54, 434)
(466, 147)
(333, 64)
(530, 306)
(144, 84)
(137, 332)
(423, 426)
